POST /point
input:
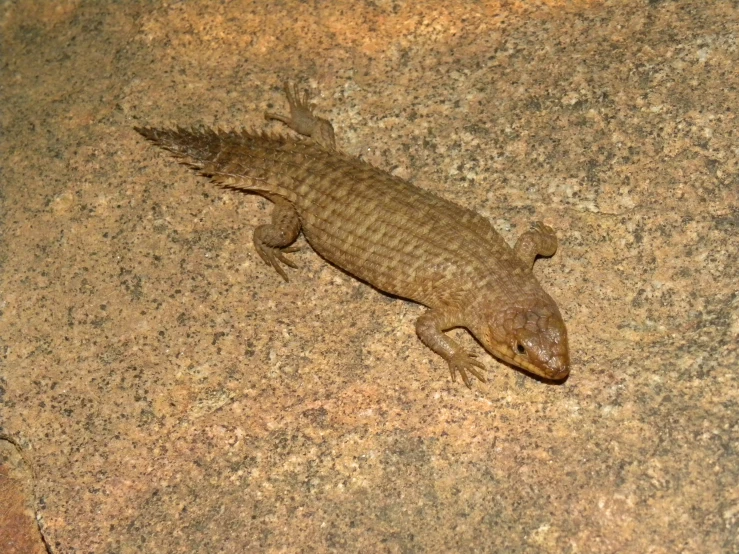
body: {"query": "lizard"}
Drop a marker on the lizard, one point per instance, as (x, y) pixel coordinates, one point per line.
(389, 233)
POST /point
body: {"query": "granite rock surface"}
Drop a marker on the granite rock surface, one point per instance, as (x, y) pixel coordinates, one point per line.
(173, 394)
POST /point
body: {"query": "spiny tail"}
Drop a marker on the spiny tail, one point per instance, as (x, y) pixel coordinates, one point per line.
(234, 159)
(190, 146)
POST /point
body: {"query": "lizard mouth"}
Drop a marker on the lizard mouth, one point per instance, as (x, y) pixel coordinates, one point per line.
(556, 368)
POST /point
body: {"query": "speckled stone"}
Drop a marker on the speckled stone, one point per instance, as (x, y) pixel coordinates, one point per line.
(19, 530)
(174, 395)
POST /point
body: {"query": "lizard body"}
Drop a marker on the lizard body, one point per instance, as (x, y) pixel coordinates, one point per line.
(391, 234)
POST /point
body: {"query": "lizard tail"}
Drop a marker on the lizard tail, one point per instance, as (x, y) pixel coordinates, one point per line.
(190, 146)
(233, 159)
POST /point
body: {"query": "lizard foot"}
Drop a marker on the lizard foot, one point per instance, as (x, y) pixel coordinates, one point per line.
(540, 240)
(302, 120)
(547, 234)
(274, 256)
(301, 117)
(462, 362)
(546, 239)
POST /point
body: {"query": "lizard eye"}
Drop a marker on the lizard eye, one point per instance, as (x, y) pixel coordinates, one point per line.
(520, 349)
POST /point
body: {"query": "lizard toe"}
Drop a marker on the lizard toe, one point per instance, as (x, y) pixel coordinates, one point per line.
(275, 257)
(461, 363)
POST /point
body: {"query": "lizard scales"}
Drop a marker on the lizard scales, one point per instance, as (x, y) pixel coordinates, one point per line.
(395, 236)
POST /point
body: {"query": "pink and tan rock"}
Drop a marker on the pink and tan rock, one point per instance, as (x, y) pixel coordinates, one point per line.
(175, 395)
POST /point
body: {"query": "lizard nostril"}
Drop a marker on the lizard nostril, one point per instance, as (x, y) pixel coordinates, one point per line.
(520, 349)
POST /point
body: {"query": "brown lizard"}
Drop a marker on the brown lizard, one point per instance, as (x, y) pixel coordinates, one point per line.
(391, 234)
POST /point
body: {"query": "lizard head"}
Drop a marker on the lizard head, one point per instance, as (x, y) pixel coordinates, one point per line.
(531, 336)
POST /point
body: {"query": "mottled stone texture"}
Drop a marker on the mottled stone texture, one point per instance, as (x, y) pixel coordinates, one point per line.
(19, 530)
(174, 395)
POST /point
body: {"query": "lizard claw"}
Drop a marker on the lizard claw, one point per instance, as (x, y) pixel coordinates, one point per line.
(296, 99)
(462, 362)
(274, 256)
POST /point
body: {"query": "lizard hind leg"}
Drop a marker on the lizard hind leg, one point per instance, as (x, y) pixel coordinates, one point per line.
(541, 240)
(303, 121)
(273, 240)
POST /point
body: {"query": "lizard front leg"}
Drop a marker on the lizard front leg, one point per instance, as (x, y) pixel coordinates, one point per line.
(430, 328)
(303, 121)
(273, 240)
(541, 240)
